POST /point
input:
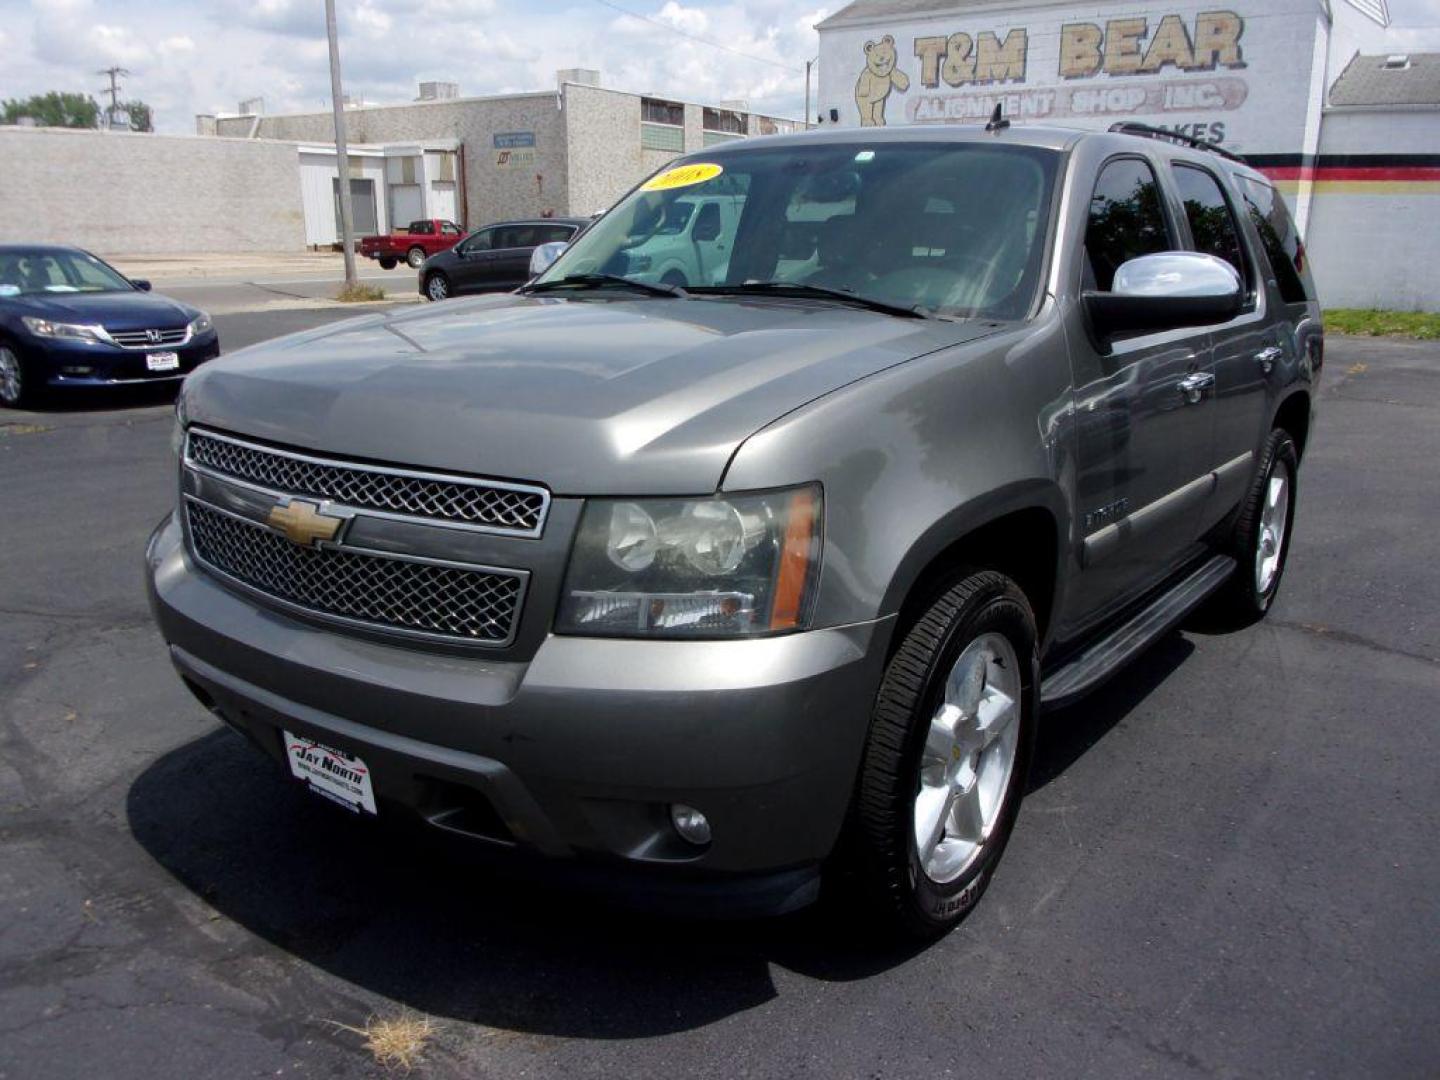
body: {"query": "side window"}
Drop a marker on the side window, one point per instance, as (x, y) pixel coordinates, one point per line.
(480, 241)
(707, 224)
(516, 236)
(1281, 242)
(449, 228)
(1212, 222)
(1126, 220)
(421, 228)
(550, 234)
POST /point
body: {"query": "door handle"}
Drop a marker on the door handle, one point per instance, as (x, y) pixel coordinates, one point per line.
(1266, 358)
(1194, 385)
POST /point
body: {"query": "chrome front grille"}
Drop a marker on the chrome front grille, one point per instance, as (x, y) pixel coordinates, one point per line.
(149, 339)
(488, 505)
(435, 599)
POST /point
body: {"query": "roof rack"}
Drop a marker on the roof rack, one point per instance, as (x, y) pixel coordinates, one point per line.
(1126, 127)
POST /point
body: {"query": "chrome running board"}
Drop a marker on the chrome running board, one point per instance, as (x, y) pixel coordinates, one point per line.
(1097, 662)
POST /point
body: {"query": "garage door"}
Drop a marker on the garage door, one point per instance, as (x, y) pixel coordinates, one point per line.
(406, 204)
(362, 205)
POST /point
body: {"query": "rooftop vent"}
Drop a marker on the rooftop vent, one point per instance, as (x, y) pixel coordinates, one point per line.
(1397, 62)
(254, 106)
(438, 91)
(582, 76)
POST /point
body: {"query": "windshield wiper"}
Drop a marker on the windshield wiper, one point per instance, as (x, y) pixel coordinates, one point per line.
(600, 281)
(804, 289)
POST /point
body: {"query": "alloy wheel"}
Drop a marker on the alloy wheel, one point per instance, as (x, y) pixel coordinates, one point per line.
(11, 377)
(437, 288)
(1274, 519)
(968, 757)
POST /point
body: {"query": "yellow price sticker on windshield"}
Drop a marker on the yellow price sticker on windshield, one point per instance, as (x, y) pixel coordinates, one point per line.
(683, 176)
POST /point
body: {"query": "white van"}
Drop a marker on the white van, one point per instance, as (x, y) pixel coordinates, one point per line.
(690, 247)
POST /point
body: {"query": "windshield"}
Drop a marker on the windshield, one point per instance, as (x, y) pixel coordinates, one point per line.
(28, 272)
(953, 228)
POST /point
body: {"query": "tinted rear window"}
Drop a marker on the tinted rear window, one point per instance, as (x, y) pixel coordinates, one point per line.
(1212, 223)
(1282, 244)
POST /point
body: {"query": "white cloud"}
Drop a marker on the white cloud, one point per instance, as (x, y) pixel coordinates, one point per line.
(372, 21)
(116, 43)
(189, 56)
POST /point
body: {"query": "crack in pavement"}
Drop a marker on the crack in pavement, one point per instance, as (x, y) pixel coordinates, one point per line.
(1347, 637)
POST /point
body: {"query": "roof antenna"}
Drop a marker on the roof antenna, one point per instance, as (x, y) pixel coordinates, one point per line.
(998, 121)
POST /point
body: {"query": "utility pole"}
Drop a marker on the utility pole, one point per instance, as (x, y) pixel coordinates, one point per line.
(113, 91)
(342, 153)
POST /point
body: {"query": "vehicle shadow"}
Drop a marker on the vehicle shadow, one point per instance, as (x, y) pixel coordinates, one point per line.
(103, 399)
(422, 919)
(1066, 734)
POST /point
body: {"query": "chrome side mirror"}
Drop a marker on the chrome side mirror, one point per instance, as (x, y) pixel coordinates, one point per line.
(1167, 291)
(1177, 273)
(544, 255)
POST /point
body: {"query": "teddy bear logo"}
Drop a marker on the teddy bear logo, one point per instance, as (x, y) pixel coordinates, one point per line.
(877, 80)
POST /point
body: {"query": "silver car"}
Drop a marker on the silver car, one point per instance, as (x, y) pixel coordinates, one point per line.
(712, 588)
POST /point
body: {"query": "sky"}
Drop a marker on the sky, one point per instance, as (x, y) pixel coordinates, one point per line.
(205, 56)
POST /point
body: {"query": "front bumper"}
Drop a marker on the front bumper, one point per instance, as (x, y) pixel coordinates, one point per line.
(574, 755)
(55, 362)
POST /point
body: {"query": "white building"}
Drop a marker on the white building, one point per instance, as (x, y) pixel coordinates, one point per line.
(1302, 89)
(390, 186)
(571, 151)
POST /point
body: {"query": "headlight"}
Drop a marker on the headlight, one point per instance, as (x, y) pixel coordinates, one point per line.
(177, 433)
(201, 324)
(67, 331)
(735, 566)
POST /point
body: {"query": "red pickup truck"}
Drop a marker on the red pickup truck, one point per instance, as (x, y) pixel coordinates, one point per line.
(415, 243)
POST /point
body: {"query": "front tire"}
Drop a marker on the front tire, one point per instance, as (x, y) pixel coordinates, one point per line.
(1260, 538)
(415, 257)
(948, 752)
(15, 390)
(437, 286)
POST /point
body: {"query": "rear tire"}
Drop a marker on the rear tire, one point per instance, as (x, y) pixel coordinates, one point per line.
(15, 389)
(437, 286)
(415, 257)
(946, 759)
(389, 263)
(1260, 538)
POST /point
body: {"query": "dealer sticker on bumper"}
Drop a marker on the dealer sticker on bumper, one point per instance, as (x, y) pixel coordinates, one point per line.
(340, 777)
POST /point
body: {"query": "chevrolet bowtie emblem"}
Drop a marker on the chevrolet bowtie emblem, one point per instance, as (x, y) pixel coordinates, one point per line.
(303, 523)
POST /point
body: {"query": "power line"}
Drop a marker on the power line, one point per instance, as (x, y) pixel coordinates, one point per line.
(696, 37)
(114, 88)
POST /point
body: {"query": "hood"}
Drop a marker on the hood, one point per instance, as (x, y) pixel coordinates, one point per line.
(112, 310)
(597, 396)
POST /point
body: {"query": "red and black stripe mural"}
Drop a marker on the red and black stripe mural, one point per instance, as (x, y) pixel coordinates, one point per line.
(1353, 174)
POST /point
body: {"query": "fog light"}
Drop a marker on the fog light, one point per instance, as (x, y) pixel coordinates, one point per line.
(77, 370)
(690, 823)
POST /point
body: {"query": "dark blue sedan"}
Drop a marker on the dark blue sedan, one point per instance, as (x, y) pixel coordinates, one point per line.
(68, 318)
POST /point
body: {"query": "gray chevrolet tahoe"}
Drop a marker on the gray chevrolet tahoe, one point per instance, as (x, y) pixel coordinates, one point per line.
(714, 587)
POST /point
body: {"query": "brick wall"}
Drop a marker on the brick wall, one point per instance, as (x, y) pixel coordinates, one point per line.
(120, 192)
(526, 182)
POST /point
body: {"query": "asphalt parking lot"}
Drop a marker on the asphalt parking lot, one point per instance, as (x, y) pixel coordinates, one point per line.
(1227, 864)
